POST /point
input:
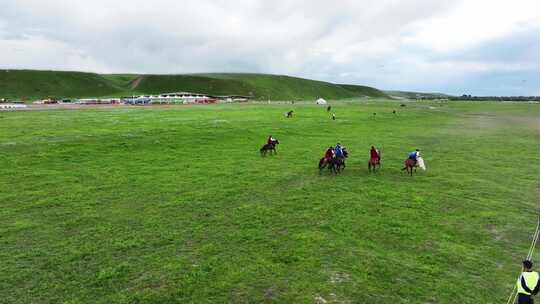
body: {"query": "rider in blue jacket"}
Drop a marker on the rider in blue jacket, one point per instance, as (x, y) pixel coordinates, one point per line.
(339, 151)
(414, 155)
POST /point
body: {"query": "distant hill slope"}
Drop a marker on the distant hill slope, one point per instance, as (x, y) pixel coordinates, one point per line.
(261, 86)
(31, 84)
(413, 95)
(363, 90)
(155, 84)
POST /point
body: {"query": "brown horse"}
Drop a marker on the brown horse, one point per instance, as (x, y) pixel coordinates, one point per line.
(410, 165)
(330, 164)
(340, 162)
(374, 163)
(336, 164)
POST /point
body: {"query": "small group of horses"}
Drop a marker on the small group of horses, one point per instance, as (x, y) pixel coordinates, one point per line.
(336, 165)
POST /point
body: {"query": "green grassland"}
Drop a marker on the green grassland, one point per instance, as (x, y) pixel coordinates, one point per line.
(31, 84)
(175, 204)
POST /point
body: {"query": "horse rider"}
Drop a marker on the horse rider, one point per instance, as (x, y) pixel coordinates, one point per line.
(414, 155)
(329, 154)
(271, 140)
(375, 154)
(339, 151)
(528, 284)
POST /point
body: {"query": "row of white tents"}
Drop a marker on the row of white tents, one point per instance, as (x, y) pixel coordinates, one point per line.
(320, 101)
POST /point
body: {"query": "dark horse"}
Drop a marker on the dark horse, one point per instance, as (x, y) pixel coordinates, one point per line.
(290, 114)
(335, 165)
(410, 165)
(330, 164)
(269, 148)
(374, 163)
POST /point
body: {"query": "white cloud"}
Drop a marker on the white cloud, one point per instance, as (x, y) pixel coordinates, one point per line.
(32, 51)
(472, 23)
(388, 43)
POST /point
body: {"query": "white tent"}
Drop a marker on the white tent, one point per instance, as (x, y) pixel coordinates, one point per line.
(321, 101)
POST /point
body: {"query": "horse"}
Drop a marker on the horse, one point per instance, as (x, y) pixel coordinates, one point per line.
(290, 114)
(410, 165)
(331, 164)
(374, 163)
(269, 148)
(340, 161)
(339, 164)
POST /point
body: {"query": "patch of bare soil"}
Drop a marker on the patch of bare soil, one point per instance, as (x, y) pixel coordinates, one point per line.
(135, 83)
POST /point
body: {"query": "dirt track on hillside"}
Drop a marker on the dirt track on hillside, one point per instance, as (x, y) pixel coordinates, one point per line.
(135, 82)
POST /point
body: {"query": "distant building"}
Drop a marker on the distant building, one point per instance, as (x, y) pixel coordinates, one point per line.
(12, 106)
(232, 98)
(179, 98)
(165, 98)
(98, 101)
(136, 100)
(183, 98)
(46, 101)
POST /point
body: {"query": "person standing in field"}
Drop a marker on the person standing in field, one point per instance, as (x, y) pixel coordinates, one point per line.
(333, 116)
(528, 284)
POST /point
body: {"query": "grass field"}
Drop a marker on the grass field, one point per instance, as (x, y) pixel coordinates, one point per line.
(31, 84)
(175, 205)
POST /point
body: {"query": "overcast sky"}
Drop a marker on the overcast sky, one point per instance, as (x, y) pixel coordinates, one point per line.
(483, 47)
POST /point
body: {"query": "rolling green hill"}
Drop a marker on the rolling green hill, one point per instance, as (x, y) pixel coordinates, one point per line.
(364, 90)
(31, 84)
(155, 84)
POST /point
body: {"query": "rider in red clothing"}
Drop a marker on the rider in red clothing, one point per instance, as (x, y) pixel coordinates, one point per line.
(375, 154)
(329, 154)
(270, 140)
